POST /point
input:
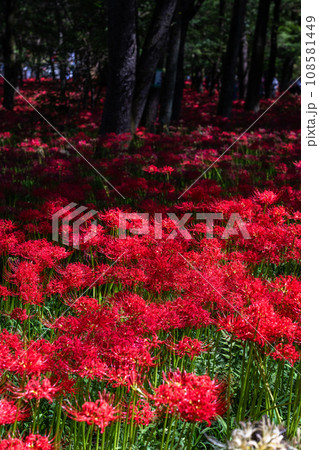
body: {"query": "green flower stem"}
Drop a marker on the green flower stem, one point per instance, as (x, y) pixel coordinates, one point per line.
(164, 431)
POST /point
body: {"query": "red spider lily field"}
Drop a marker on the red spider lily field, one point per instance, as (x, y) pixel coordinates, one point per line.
(140, 342)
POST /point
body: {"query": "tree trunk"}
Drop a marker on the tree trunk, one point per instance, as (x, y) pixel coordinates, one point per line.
(230, 61)
(151, 109)
(151, 54)
(273, 50)
(221, 18)
(243, 67)
(189, 8)
(9, 56)
(286, 75)
(52, 68)
(169, 82)
(216, 71)
(257, 59)
(116, 116)
(180, 76)
(62, 69)
(153, 101)
(37, 71)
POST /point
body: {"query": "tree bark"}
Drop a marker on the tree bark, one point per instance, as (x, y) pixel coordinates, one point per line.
(257, 59)
(273, 49)
(230, 61)
(221, 17)
(37, 70)
(153, 101)
(189, 9)
(151, 109)
(151, 54)
(169, 82)
(116, 116)
(216, 71)
(243, 67)
(180, 76)
(52, 67)
(287, 70)
(9, 56)
(62, 70)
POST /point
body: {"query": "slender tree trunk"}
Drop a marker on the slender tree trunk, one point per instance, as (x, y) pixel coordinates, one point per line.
(169, 82)
(189, 8)
(62, 67)
(243, 67)
(20, 75)
(221, 18)
(257, 58)
(9, 56)
(52, 68)
(37, 71)
(62, 56)
(151, 54)
(116, 116)
(273, 50)
(230, 61)
(286, 75)
(153, 102)
(180, 76)
(151, 109)
(215, 71)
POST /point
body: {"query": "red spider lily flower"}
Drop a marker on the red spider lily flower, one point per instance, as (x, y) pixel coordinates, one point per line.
(10, 348)
(11, 444)
(266, 198)
(9, 238)
(73, 276)
(151, 169)
(100, 412)
(4, 292)
(33, 441)
(188, 346)
(35, 360)
(286, 352)
(193, 398)
(5, 135)
(38, 442)
(124, 376)
(36, 388)
(42, 252)
(25, 275)
(19, 314)
(141, 413)
(83, 304)
(92, 367)
(167, 169)
(9, 412)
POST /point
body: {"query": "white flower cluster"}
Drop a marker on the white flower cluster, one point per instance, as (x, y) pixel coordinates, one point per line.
(262, 435)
